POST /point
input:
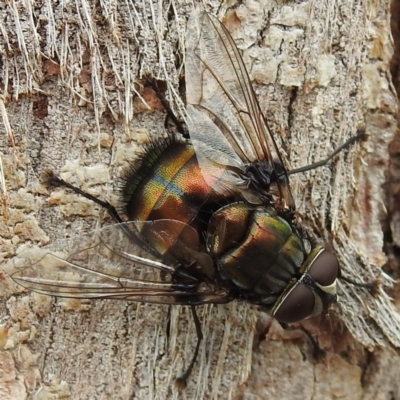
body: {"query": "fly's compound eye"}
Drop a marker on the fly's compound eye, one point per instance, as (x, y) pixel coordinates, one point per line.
(313, 293)
(325, 269)
(297, 305)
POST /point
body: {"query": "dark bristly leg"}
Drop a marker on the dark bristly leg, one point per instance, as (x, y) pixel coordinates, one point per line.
(360, 135)
(318, 352)
(52, 179)
(130, 231)
(182, 380)
(181, 129)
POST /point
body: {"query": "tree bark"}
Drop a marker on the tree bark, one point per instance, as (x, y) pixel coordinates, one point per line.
(75, 100)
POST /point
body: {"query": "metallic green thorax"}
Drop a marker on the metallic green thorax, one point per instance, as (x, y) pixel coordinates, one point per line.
(257, 250)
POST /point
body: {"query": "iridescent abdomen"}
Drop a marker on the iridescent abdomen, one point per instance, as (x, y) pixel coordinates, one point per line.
(174, 188)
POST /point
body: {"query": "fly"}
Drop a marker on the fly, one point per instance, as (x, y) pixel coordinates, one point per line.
(210, 220)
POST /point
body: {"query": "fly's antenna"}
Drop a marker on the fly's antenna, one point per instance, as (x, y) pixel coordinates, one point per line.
(372, 287)
(360, 135)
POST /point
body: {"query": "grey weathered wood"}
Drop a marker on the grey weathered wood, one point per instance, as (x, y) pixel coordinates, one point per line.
(71, 101)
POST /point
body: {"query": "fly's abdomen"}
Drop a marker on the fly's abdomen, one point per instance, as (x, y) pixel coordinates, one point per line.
(172, 186)
(257, 250)
(168, 185)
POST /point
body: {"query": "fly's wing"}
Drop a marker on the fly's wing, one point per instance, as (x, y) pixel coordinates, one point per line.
(225, 122)
(113, 263)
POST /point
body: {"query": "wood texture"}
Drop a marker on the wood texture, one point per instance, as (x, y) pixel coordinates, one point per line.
(73, 99)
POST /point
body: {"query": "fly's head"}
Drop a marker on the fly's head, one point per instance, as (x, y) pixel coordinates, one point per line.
(314, 292)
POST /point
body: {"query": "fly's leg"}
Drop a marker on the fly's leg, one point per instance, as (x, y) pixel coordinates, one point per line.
(318, 352)
(179, 126)
(181, 382)
(52, 179)
(360, 135)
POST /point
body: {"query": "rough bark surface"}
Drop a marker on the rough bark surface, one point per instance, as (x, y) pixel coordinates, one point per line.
(74, 100)
(392, 228)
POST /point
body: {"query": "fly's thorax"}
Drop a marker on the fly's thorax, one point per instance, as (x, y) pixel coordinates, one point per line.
(313, 292)
(256, 250)
(227, 227)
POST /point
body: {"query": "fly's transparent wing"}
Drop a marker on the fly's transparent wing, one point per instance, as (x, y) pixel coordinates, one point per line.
(225, 121)
(116, 262)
